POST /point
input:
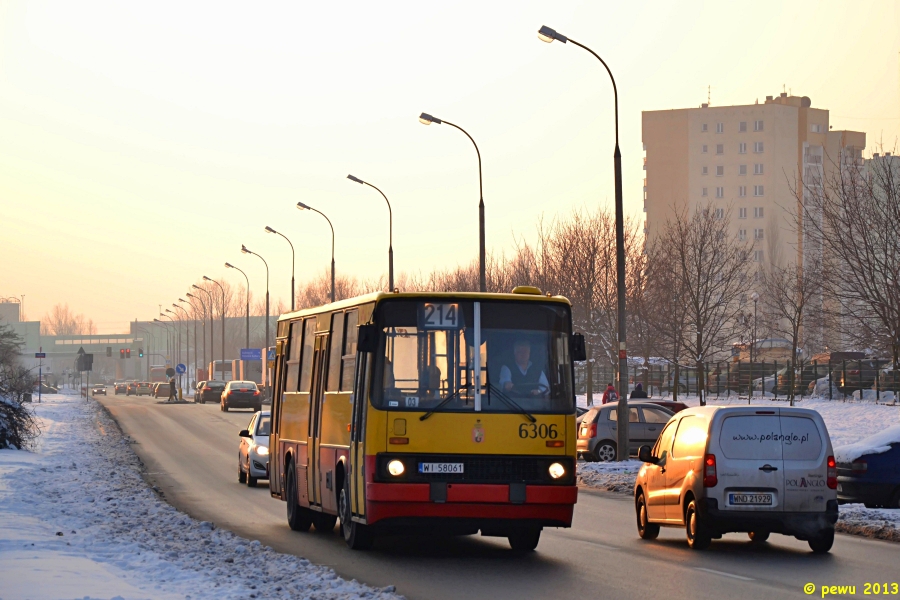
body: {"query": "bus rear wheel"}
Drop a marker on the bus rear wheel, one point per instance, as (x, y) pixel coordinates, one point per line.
(298, 517)
(524, 540)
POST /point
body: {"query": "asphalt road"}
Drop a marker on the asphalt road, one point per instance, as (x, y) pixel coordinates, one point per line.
(190, 452)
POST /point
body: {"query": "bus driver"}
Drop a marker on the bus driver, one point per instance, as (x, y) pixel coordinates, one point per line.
(523, 378)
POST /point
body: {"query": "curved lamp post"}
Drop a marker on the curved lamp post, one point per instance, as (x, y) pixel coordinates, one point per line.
(211, 327)
(426, 119)
(187, 342)
(293, 257)
(302, 206)
(545, 34)
(246, 250)
(390, 231)
(166, 327)
(175, 326)
(205, 278)
(193, 315)
(231, 266)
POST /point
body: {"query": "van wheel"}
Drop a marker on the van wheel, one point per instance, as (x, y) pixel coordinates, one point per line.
(823, 541)
(357, 535)
(646, 529)
(605, 451)
(698, 537)
(298, 517)
(758, 536)
(324, 522)
(524, 540)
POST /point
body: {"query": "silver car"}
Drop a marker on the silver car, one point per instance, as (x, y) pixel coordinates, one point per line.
(597, 432)
(253, 453)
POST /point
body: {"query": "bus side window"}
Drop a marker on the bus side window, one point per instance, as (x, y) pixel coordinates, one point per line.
(348, 360)
(334, 352)
(309, 342)
(293, 359)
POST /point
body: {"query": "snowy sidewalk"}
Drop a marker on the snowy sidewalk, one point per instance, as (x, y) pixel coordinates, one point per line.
(78, 521)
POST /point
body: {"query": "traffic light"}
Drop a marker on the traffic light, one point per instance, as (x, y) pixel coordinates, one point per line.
(121, 352)
(108, 351)
(127, 352)
(140, 353)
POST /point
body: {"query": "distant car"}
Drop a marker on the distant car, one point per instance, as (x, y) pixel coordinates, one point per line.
(253, 453)
(241, 394)
(131, 388)
(121, 387)
(869, 471)
(98, 389)
(597, 433)
(209, 391)
(859, 375)
(144, 388)
(161, 389)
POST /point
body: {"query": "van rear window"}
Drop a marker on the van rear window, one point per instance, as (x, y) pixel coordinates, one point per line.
(801, 438)
(751, 437)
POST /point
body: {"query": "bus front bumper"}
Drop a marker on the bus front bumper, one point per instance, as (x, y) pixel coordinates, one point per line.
(482, 505)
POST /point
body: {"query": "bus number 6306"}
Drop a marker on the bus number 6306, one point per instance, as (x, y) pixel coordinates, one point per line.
(533, 430)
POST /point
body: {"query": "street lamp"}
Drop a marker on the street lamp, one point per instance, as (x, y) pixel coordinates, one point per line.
(302, 206)
(187, 336)
(426, 119)
(196, 345)
(168, 337)
(293, 256)
(545, 34)
(176, 335)
(390, 231)
(205, 278)
(231, 266)
(211, 326)
(246, 250)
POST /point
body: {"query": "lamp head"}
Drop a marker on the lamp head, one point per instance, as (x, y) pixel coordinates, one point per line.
(270, 230)
(182, 299)
(194, 286)
(754, 296)
(190, 295)
(169, 311)
(205, 278)
(229, 266)
(302, 206)
(426, 119)
(244, 249)
(545, 34)
(175, 305)
(356, 179)
(156, 320)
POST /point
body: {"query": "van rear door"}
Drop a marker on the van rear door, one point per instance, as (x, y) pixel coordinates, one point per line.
(805, 453)
(749, 462)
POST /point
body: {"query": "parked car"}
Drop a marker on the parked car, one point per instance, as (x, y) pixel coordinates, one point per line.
(889, 380)
(869, 471)
(597, 434)
(253, 453)
(721, 469)
(580, 411)
(98, 389)
(209, 391)
(121, 386)
(143, 388)
(241, 394)
(859, 375)
(670, 405)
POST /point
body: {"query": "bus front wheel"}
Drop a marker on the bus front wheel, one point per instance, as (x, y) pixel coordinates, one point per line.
(357, 535)
(298, 517)
(524, 540)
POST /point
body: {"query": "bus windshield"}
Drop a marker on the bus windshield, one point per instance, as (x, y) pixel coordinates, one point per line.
(427, 358)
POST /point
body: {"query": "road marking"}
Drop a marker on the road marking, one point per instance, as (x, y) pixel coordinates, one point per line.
(724, 574)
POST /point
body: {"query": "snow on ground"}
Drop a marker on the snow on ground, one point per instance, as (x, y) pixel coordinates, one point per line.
(78, 521)
(849, 421)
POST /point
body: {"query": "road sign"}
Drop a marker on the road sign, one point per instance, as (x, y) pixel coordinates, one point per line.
(251, 353)
(180, 369)
(40, 355)
(170, 371)
(271, 354)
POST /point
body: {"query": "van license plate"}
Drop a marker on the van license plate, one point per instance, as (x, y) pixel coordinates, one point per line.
(441, 468)
(750, 499)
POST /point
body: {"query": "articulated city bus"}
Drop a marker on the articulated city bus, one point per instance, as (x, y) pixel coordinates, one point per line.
(387, 416)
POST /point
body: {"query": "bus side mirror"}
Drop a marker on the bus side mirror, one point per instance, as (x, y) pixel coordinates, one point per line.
(578, 350)
(367, 340)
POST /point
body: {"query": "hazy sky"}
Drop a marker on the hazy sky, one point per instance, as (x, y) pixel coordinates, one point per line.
(142, 143)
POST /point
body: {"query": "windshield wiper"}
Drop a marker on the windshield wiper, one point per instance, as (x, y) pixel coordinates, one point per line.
(440, 405)
(511, 403)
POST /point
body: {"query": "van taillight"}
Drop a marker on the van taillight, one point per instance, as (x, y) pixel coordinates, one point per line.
(859, 466)
(710, 479)
(832, 473)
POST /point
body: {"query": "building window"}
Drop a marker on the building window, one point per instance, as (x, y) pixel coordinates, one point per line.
(742, 191)
(720, 127)
(758, 233)
(742, 234)
(704, 149)
(758, 147)
(703, 128)
(720, 171)
(704, 170)
(758, 255)
(758, 169)
(742, 213)
(742, 170)
(720, 213)
(704, 193)
(720, 192)
(757, 125)
(815, 128)
(758, 190)
(743, 127)
(742, 148)
(720, 148)
(758, 212)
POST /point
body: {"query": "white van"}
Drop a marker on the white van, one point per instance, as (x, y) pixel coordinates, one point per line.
(719, 469)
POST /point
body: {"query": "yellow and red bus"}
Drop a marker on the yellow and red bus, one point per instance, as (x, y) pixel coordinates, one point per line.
(427, 412)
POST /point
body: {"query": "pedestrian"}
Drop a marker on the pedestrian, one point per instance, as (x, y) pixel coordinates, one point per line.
(638, 392)
(172, 397)
(610, 395)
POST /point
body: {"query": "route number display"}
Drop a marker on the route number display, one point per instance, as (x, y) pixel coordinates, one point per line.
(440, 316)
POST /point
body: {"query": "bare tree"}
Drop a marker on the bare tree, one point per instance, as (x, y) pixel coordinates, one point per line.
(61, 320)
(665, 307)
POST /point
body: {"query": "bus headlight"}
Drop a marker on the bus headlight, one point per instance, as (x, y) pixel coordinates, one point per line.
(396, 468)
(557, 470)
(262, 450)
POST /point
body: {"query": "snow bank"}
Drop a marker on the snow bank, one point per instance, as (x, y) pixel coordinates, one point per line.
(875, 444)
(609, 476)
(878, 523)
(79, 521)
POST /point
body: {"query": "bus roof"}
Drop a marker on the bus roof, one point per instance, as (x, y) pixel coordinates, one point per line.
(381, 296)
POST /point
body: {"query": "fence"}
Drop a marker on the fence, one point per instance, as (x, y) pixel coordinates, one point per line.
(834, 379)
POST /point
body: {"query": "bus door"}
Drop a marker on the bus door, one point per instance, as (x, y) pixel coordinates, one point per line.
(357, 472)
(275, 482)
(316, 399)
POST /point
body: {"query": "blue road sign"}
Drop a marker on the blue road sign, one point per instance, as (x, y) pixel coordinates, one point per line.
(180, 369)
(271, 354)
(251, 353)
(40, 355)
